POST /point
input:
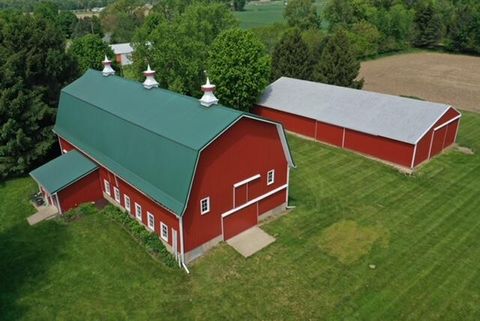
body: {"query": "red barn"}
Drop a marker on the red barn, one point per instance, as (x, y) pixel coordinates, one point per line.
(398, 130)
(194, 172)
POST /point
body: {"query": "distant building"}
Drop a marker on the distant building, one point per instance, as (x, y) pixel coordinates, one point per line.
(123, 53)
(398, 130)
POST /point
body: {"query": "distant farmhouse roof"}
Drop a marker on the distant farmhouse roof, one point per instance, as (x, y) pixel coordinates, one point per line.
(401, 119)
(121, 48)
(151, 138)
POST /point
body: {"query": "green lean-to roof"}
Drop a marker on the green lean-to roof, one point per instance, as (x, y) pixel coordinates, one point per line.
(150, 138)
(63, 171)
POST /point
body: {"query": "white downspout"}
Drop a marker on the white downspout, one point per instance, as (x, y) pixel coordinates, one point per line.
(288, 187)
(182, 253)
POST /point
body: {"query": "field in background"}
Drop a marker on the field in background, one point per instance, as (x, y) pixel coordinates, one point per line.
(420, 232)
(264, 13)
(438, 77)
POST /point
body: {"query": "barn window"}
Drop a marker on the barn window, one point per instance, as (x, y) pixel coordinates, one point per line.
(151, 221)
(164, 231)
(138, 211)
(107, 187)
(271, 177)
(205, 205)
(116, 194)
(126, 201)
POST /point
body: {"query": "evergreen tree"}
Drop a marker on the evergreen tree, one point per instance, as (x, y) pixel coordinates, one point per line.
(33, 69)
(463, 34)
(239, 66)
(428, 26)
(338, 65)
(89, 51)
(291, 57)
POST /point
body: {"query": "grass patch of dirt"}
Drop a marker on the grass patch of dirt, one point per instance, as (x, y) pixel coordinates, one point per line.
(348, 241)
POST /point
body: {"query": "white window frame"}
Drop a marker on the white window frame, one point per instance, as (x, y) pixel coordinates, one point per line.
(207, 208)
(116, 192)
(126, 201)
(106, 186)
(138, 211)
(150, 216)
(271, 177)
(164, 228)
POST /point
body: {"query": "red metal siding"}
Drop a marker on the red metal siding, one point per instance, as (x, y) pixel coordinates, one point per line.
(329, 133)
(248, 148)
(380, 147)
(272, 202)
(240, 221)
(451, 134)
(85, 190)
(438, 141)
(295, 123)
(64, 145)
(423, 148)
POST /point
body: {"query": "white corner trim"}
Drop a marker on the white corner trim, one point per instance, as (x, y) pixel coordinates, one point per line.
(236, 209)
(414, 155)
(245, 181)
(447, 122)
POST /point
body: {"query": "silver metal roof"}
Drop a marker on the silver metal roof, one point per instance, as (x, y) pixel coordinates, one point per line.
(121, 48)
(403, 119)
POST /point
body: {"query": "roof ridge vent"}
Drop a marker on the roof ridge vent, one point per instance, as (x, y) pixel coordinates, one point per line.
(150, 81)
(107, 67)
(208, 99)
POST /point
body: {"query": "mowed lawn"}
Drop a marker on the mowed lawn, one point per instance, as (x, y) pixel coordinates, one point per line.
(420, 233)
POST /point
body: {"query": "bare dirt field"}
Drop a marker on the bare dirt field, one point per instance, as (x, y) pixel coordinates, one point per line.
(438, 77)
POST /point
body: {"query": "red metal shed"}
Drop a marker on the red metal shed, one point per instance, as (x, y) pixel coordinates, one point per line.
(398, 130)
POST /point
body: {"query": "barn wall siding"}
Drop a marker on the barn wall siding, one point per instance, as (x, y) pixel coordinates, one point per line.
(295, 123)
(329, 133)
(248, 148)
(85, 190)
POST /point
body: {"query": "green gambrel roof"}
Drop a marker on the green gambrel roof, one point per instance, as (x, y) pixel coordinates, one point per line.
(63, 171)
(150, 138)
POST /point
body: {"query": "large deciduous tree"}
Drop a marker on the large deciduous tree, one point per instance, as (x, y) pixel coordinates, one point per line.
(338, 64)
(302, 14)
(89, 51)
(33, 68)
(240, 67)
(292, 57)
(178, 49)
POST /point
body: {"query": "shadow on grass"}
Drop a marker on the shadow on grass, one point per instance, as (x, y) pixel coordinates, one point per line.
(26, 254)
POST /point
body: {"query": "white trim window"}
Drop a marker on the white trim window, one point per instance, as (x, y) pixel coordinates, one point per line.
(138, 211)
(271, 177)
(126, 202)
(106, 185)
(205, 205)
(116, 194)
(164, 231)
(150, 221)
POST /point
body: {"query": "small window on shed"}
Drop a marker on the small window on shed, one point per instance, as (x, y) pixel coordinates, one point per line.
(271, 177)
(138, 211)
(164, 231)
(106, 184)
(126, 201)
(151, 221)
(116, 194)
(205, 205)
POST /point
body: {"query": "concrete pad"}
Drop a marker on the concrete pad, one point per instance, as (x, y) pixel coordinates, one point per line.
(44, 213)
(250, 241)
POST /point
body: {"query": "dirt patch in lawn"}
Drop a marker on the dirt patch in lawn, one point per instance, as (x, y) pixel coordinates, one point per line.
(348, 241)
(438, 77)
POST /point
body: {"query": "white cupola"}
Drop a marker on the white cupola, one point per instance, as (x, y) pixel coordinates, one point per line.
(107, 67)
(150, 81)
(208, 99)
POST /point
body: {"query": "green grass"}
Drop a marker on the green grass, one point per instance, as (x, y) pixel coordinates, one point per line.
(260, 14)
(422, 232)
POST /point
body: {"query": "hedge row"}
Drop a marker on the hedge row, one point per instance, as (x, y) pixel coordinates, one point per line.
(150, 240)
